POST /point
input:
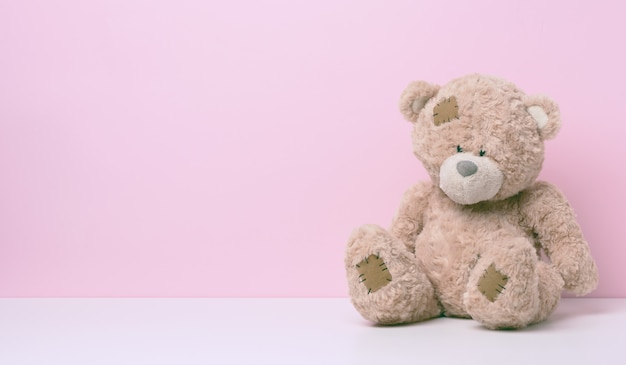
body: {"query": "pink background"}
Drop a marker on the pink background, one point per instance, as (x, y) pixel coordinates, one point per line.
(228, 148)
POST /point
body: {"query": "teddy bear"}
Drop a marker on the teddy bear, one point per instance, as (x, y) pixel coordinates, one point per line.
(483, 239)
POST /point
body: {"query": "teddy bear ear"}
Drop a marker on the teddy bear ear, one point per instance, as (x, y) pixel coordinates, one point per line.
(415, 97)
(546, 113)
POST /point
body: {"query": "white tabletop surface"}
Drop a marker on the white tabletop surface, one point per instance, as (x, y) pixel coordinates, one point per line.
(291, 331)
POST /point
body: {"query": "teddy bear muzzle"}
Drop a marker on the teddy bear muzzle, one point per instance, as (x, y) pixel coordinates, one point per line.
(469, 179)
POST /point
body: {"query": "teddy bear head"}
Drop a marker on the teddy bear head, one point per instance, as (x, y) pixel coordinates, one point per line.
(479, 137)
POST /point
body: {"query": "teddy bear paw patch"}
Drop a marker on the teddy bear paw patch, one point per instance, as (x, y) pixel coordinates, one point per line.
(373, 273)
(492, 283)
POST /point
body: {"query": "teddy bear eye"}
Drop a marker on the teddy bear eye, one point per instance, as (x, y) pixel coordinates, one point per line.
(459, 149)
(482, 152)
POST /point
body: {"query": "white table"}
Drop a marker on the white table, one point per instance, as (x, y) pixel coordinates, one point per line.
(291, 331)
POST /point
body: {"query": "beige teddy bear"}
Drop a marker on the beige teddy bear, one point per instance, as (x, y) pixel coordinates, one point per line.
(482, 239)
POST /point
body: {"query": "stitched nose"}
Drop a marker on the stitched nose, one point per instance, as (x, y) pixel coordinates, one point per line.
(466, 168)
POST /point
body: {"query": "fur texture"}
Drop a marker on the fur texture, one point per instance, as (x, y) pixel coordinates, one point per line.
(501, 257)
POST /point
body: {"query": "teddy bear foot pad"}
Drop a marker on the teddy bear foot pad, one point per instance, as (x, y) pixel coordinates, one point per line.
(373, 273)
(492, 283)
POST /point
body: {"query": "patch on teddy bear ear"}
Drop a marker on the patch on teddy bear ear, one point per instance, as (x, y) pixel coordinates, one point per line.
(415, 97)
(446, 110)
(546, 114)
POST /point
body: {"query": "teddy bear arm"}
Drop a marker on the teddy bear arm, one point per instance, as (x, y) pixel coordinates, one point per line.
(547, 212)
(409, 222)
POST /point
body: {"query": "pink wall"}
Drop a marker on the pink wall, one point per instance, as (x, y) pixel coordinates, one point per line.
(228, 148)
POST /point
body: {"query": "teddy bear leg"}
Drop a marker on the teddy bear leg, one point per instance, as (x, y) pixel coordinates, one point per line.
(386, 285)
(503, 290)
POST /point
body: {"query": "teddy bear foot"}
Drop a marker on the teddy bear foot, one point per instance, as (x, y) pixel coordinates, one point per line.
(385, 284)
(503, 290)
(500, 303)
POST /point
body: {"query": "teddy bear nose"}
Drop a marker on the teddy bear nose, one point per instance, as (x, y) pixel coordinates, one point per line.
(466, 168)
